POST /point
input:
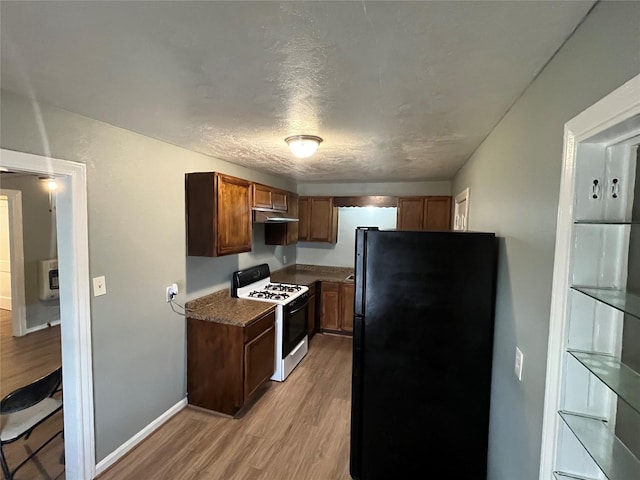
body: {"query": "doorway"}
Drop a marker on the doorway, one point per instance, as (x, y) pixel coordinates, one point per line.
(13, 283)
(5, 255)
(73, 258)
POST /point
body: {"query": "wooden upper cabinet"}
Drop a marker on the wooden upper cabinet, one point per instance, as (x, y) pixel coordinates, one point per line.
(218, 214)
(410, 213)
(318, 220)
(292, 227)
(234, 215)
(303, 216)
(261, 196)
(284, 233)
(424, 213)
(437, 213)
(279, 200)
(268, 197)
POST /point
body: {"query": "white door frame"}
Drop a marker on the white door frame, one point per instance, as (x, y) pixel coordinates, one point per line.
(461, 211)
(16, 254)
(614, 109)
(75, 310)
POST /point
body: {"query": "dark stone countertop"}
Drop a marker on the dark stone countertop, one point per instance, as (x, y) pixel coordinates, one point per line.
(220, 307)
(301, 274)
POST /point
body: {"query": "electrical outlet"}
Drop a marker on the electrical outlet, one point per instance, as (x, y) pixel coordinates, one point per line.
(284, 259)
(171, 292)
(519, 362)
(99, 286)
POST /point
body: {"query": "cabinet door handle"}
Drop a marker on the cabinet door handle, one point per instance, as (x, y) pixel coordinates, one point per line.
(595, 189)
(615, 188)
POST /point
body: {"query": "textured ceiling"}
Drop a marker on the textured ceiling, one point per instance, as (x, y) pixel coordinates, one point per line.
(398, 90)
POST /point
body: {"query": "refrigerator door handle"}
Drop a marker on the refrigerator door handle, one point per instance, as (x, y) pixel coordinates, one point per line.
(356, 399)
(359, 270)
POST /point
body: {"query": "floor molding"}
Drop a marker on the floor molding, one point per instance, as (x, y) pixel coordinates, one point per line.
(42, 327)
(117, 454)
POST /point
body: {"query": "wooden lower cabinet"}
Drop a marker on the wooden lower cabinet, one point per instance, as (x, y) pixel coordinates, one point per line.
(318, 220)
(311, 311)
(347, 292)
(336, 307)
(227, 364)
(330, 306)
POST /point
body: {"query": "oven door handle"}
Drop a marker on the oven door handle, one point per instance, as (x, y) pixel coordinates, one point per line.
(298, 309)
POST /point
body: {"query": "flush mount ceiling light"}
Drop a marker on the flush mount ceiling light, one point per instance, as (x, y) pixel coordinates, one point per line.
(303, 146)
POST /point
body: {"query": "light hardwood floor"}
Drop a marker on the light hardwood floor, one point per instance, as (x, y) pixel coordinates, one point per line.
(22, 360)
(297, 430)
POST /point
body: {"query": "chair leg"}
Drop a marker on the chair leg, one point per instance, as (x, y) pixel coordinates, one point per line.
(5, 467)
(33, 454)
(26, 437)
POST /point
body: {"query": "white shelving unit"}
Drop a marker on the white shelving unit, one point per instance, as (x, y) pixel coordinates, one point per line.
(593, 384)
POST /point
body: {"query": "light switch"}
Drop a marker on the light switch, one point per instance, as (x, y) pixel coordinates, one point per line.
(99, 286)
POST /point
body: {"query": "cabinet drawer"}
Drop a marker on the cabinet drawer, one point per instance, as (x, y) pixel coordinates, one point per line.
(256, 328)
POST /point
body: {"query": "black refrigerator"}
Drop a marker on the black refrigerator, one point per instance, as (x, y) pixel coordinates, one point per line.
(422, 353)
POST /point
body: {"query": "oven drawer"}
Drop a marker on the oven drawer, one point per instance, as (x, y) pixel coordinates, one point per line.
(295, 357)
(254, 329)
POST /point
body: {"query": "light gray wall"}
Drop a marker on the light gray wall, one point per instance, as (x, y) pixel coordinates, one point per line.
(38, 243)
(205, 275)
(137, 241)
(343, 252)
(514, 180)
(392, 188)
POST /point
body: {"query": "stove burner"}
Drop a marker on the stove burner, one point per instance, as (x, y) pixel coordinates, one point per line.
(279, 287)
(268, 295)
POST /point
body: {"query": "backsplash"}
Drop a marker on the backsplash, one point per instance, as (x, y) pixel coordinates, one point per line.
(342, 253)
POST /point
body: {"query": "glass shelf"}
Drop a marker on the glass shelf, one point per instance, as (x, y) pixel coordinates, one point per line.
(609, 453)
(622, 300)
(606, 222)
(567, 476)
(624, 381)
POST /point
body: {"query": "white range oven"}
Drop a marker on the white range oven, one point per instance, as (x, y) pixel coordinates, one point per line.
(291, 302)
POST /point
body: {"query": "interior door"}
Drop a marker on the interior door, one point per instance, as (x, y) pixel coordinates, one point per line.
(5, 255)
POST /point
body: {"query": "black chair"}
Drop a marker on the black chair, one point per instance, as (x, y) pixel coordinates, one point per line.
(22, 410)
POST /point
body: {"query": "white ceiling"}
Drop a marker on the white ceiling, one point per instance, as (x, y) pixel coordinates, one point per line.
(399, 90)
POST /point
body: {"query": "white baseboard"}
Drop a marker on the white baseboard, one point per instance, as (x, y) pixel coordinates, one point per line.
(117, 454)
(42, 327)
(5, 303)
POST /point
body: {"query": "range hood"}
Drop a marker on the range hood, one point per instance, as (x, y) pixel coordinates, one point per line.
(271, 216)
